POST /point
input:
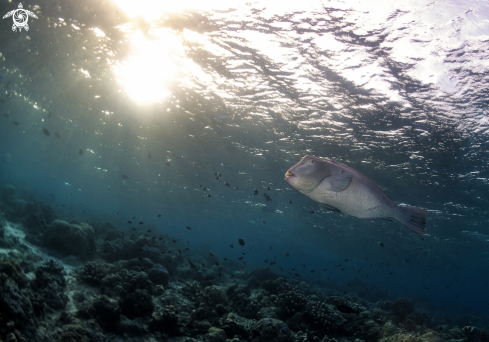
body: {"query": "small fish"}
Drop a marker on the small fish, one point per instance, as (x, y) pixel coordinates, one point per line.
(141, 222)
(272, 263)
(241, 242)
(211, 254)
(286, 254)
(381, 244)
(46, 132)
(256, 192)
(290, 202)
(264, 221)
(205, 188)
(174, 241)
(189, 228)
(149, 230)
(125, 176)
(159, 215)
(225, 259)
(130, 222)
(49, 115)
(267, 197)
(240, 258)
(15, 123)
(203, 265)
(226, 184)
(80, 151)
(231, 246)
(133, 228)
(209, 195)
(268, 188)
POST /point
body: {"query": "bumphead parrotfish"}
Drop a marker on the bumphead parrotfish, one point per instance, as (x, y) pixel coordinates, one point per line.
(340, 188)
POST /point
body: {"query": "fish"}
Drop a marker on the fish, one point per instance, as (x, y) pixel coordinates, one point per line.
(125, 177)
(340, 188)
(189, 228)
(81, 151)
(15, 123)
(241, 242)
(46, 132)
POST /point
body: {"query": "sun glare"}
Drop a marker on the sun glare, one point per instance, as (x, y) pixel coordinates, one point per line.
(147, 73)
(154, 9)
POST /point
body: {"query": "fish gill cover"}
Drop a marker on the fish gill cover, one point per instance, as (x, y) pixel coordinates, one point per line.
(153, 139)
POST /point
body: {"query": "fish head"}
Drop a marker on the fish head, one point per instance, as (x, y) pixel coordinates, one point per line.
(307, 174)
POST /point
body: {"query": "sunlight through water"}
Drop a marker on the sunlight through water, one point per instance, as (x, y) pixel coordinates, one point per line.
(147, 73)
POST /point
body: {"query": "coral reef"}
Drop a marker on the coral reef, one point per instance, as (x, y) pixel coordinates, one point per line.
(69, 239)
(140, 288)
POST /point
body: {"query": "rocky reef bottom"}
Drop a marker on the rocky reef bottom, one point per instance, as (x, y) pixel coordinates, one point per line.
(78, 282)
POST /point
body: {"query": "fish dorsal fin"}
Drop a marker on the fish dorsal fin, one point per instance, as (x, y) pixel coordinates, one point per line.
(340, 181)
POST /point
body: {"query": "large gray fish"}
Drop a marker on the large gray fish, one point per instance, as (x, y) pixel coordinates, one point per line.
(340, 188)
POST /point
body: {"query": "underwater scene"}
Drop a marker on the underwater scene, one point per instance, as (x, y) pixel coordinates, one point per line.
(231, 171)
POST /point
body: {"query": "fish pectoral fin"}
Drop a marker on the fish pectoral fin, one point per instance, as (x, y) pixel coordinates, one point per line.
(339, 182)
(326, 206)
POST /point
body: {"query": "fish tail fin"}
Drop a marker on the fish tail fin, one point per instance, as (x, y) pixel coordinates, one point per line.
(414, 218)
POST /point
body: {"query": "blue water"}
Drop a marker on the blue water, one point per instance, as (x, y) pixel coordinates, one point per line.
(245, 90)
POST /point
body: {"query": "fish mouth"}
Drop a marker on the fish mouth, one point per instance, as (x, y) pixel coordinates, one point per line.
(288, 174)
